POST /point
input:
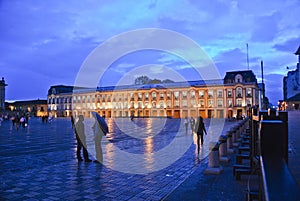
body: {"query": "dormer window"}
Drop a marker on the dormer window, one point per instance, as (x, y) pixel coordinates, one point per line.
(238, 78)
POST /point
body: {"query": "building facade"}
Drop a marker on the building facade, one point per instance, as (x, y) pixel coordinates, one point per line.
(2, 93)
(35, 108)
(225, 98)
(291, 88)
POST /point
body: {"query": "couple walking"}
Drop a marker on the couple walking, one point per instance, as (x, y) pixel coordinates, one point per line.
(99, 128)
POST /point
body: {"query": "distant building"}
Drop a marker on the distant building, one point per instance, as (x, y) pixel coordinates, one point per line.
(291, 87)
(2, 93)
(228, 97)
(60, 100)
(31, 107)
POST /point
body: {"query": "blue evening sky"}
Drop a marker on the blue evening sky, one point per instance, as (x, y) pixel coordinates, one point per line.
(44, 43)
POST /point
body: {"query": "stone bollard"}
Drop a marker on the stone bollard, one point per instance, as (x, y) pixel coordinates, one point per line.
(213, 160)
(223, 149)
(229, 142)
(239, 131)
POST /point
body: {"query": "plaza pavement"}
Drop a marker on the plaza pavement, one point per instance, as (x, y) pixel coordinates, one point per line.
(224, 187)
(39, 162)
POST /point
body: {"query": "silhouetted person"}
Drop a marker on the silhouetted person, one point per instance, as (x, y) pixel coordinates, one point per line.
(27, 118)
(23, 121)
(100, 129)
(200, 129)
(81, 140)
(72, 121)
(13, 120)
(186, 124)
(17, 122)
(192, 123)
(98, 134)
(132, 116)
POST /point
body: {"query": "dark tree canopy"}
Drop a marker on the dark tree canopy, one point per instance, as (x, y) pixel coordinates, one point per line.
(146, 80)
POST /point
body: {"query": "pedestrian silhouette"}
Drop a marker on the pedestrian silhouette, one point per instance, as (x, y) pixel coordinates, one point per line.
(200, 130)
(100, 129)
(81, 140)
(17, 122)
(186, 124)
(72, 121)
(192, 123)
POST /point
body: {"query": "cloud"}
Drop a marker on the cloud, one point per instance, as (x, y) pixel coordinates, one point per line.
(266, 28)
(51, 39)
(125, 65)
(274, 86)
(290, 45)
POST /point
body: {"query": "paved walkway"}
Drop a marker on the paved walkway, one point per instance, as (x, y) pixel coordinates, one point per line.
(294, 144)
(144, 159)
(224, 186)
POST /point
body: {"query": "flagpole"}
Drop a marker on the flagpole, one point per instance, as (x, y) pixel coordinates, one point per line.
(247, 56)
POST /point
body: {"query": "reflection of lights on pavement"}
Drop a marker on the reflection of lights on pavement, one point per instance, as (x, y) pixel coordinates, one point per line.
(113, 49)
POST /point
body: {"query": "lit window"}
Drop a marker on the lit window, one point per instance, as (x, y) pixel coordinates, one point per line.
(220, 93)
(229, 103)
(176, 94)
(210, 103)
(220, 103)
(249, 92)
(201, 94)
(239, 92)
(192, 93)
(229, 93)
(201, 103)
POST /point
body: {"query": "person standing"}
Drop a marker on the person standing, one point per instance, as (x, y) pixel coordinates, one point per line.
(200, 129)
(98, 134)
(13, 120)
(17, 122)
(100, 129)
(81, 140)
(22, 121)
(192, 123)
(72, 121)
(186, 124)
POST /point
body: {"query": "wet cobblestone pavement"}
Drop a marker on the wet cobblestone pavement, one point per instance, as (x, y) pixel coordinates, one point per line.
(39, 162)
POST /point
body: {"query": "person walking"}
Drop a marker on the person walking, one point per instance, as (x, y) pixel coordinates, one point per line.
(81, 140)
(200, 129)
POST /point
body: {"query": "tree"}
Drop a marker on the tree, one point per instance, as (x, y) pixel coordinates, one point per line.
(141, 80)
(146, 80)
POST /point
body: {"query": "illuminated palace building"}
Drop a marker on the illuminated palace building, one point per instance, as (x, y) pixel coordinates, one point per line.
(228, 97)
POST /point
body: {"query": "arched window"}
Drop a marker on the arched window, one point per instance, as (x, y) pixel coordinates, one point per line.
(239, 92)
(153, 94)
(238, 78)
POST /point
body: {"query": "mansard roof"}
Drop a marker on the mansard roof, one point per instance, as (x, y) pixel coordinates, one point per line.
(57, 89)
(298, 51)
(248, 76)
(183, 84)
